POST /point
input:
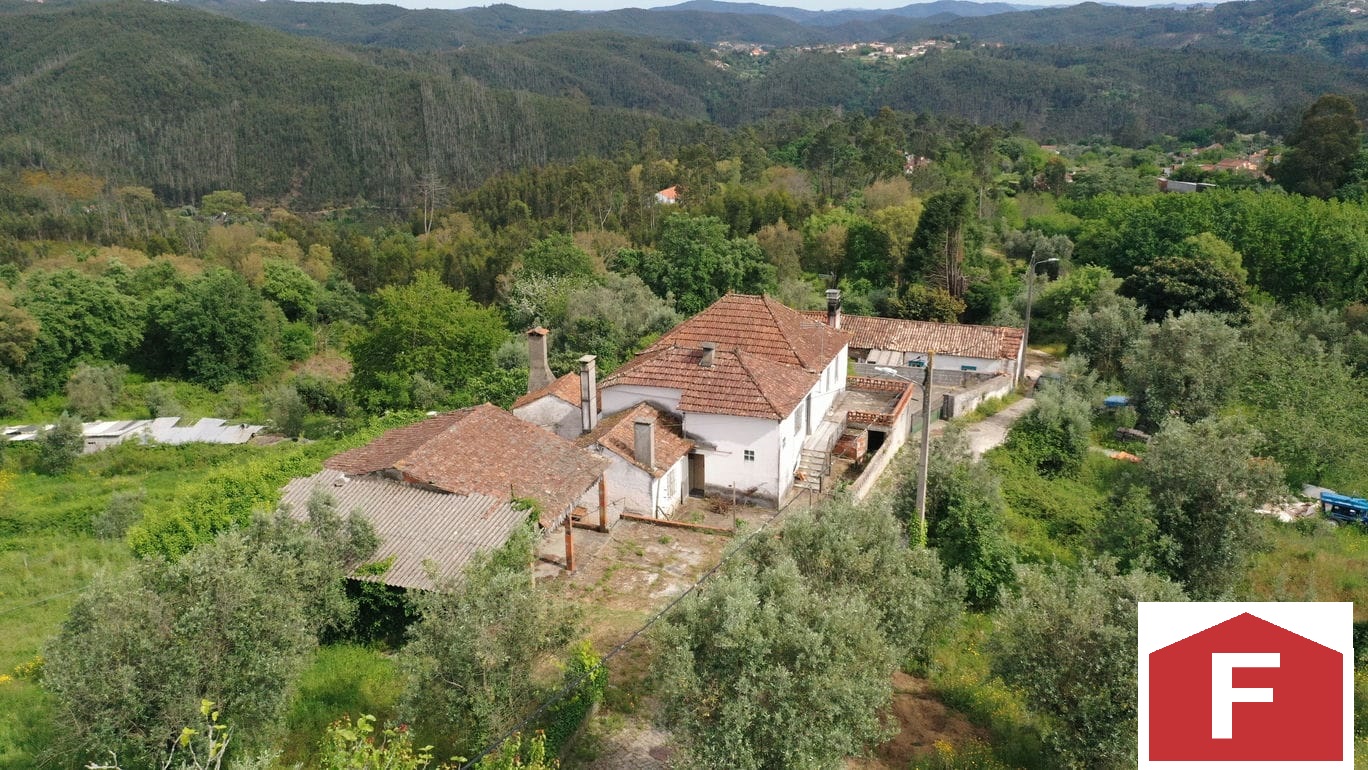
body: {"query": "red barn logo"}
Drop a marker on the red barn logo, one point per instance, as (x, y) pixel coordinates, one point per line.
(1261, 686)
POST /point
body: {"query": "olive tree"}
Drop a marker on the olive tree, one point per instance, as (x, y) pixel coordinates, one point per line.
(1187, 367)
(1066, 639)
(59, 445)
(233, 621)
(1205, 483)
(762, 671)
(470, 658)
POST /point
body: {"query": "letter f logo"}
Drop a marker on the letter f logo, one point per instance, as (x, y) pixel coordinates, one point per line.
(1224, 695)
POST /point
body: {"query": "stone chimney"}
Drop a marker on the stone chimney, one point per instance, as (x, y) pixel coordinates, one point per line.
(709, 351)
(588, 393)
(834, 308)
(538, 370)
(643, 441)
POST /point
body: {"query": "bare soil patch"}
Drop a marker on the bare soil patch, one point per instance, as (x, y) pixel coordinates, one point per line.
(922, 720)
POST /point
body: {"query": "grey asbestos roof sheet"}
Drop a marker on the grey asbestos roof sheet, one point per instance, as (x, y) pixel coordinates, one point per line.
(162, 430)
(415, 525)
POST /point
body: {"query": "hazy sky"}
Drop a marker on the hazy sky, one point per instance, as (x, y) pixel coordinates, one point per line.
(818, 5)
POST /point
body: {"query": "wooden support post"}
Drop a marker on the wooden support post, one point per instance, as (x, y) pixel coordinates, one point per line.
(570, 544)
(603, 504)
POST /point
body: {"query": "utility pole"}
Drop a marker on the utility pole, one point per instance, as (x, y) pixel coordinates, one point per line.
(925, 443)
(1030, 296)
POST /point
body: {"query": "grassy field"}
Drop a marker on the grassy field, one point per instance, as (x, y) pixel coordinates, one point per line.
(40, 576)
(48, 553)
(344, 680)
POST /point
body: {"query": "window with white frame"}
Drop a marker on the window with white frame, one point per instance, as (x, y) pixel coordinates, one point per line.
(748, 455)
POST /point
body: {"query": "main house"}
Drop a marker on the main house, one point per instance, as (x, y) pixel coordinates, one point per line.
(751, 380)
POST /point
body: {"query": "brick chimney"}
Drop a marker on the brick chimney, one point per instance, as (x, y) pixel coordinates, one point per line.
(538, 370)
(709, 351)
(833, 308)
(643, 441)
(588, 393)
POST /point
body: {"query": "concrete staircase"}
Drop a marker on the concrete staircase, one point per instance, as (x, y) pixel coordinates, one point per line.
(814, 465)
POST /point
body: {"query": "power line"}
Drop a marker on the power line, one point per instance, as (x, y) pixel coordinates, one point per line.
(566, 690)
(44, 600)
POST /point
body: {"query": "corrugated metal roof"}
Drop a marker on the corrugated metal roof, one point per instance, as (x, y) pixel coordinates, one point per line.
(415, 526)
(162, 430)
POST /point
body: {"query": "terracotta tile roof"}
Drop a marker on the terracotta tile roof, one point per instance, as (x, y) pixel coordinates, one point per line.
(768, 357)
(738, 383)
(617, 433)
(415, 525)
(870, 333)
(565, 387)
(762, 326)
(482, 450)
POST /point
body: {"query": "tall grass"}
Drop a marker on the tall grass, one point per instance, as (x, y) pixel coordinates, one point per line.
(1312, 560)
(961, 675)
(344, 680)
(40, 578)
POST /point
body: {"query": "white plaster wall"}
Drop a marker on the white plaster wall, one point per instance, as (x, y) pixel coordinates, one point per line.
(954, 363)
(629, 487)
(615, 398)
(668, 490)
(553, 414)
(725, 466)
(790, 449)
(830, 385)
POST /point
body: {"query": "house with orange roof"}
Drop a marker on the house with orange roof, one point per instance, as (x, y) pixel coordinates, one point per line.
(648, 455)
(441, 490)
(899, 342)
(668, 196)
(752, 381)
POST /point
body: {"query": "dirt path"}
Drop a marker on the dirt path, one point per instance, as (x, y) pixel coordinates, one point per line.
(992, 431)
(624, 577)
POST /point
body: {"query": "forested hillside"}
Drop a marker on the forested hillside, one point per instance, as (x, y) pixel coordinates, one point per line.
(237, 106)
(395, 27)
(185, 102)
(1326, 29)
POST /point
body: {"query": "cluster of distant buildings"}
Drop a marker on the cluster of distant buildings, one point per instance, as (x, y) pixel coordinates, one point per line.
(873, 49)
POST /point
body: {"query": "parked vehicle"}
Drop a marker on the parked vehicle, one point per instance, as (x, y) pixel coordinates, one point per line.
(1344, 508)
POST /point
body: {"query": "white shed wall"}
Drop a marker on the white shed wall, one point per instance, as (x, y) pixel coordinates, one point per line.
(616, 398)
(669, 489)
(553, 414)
(951, 363)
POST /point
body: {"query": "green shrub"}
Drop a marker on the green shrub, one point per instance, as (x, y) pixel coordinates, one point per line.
(220, 501)
(1053, 438)
(59, 446)
(296, 341)
(160, 400)
(286, 410)
(92, 390)
(123, 511)
(587, 676)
